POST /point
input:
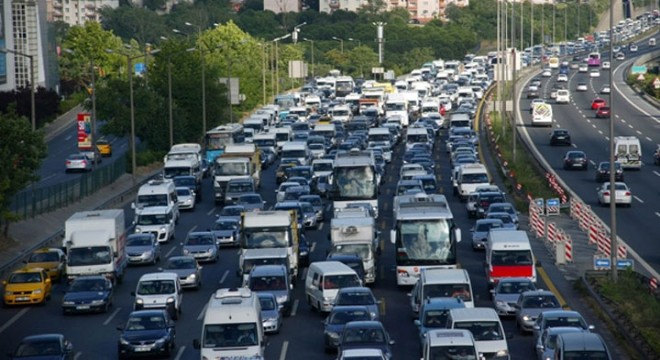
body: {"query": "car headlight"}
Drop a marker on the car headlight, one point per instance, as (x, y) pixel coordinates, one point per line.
(37, 292)
(123, 341)
(170, 300)
(327, 299)
(138, 229)
(160, 342)
(163, 229)
(526, 318)
(98, 302)
(139, 301)
(282, 298)
(332, 334)
(192, 276)
(502, 353)
(148, 253)
(68, 303)
(500, 303)
(186, 251)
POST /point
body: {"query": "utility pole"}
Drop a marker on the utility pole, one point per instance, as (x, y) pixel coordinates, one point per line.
(380, 39)
(614, 246)
(515, 80)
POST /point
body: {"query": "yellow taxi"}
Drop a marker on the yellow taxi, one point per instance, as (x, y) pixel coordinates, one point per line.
(50, 259)
(27, 286)
(104, 147)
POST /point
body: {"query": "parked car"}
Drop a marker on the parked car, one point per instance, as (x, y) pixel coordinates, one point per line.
(92, 293)
(147, 332)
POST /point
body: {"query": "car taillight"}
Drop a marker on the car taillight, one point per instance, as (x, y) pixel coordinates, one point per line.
(627, 193)
(84, 162)
(606, 193)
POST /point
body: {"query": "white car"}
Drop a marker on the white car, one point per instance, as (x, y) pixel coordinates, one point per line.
(594, 73)
(562, 78)
(616, 49)
(546, 73)
(185, 197)
(583, 68)
(620, 56)
(623, 195)
(633, 48)
(605, 89)
(606, 65)
(581, 87)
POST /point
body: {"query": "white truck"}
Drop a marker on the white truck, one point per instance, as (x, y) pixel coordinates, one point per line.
(397, 105)
(95, 243)
(469, 177)
(628, 151)
(542, 114)
(356, 235)
(238, 161)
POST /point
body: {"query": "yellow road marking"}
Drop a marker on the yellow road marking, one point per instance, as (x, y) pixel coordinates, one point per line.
(552, 287)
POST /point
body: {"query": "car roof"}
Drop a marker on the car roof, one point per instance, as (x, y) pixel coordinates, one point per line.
(364, 324)
(42, 337)
(443, 303)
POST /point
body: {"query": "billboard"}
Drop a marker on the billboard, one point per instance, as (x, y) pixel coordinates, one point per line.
(3, 44)
(84, 131)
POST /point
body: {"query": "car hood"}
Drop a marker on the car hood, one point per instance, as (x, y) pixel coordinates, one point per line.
(138, 249)
(223, 233)
(24, 287)
(182, 272)
(535, 312)
(138, 335)
(269, 314)
(85, 295)
(507, 298)
(44, 265)
(198, 247)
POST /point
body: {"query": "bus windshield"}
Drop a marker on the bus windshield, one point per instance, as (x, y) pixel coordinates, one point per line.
(357, 182)
(425, 242)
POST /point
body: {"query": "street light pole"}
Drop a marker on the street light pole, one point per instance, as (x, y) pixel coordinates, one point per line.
(356, 40)
(91, 61)
(169, 98)
(341, 43)
(312, 47)
(33, 108)
(263, 71)
(202, 64)
(130, 85)
(277, 66)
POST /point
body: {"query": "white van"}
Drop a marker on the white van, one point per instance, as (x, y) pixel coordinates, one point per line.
(486, 328)
(232, 326)
(342, 113)
(435, 283)
(417, 135)
(449, 344)
(157, 220)
(628, 151)
(563, 96)
(323, 281)
(282, 135)
(157, 193)
(469, 177)
(297, 150)
(159, 291)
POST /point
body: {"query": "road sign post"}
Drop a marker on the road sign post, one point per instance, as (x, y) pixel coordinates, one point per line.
(604, 263)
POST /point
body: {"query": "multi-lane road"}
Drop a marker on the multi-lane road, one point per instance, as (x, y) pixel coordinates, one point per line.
(632, 117)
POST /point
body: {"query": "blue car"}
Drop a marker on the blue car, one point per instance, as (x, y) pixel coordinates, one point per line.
(337, 319)
(88, 294)
(433, 314)
(147, 332)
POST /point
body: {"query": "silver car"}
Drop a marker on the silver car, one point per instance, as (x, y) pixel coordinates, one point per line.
(227, 231)
(251, 202)
(309, 215)
(506, 293)
(271, 316)
(531, 304)
(506, 219)
(545, 344)
(201, 245)
(142, 248)
(481, 229)
(504, 207)
(185, 198)
(187, 269)
(78, 162)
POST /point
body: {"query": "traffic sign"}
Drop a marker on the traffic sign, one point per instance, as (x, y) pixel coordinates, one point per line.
(640, 77)
(638, 70)
(552, 207)
(604, 263)
(601, 263)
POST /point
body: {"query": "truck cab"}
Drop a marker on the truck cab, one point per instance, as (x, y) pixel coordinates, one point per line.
(158, 220)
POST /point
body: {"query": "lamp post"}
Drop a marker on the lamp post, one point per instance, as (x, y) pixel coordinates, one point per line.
(341, 43)
(202, 64)
(356, 40)
(277, 66)
(169, 95)
(380, 38)
(263, 70)
(296, 30)
(312, 47)
(33, 109)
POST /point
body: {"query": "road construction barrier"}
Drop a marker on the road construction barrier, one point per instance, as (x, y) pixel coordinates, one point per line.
(653, 284)
(552, 232)
(568, 248)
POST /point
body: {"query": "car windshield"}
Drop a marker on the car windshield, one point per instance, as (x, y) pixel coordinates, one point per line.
(183, 192)
(261, 283)
(486, 226)
(354, 298)
(38, 348)
(139, 241)
(200, 239)
(25, 277)
(452, 352)
(340, 281)
(41, 257)
(180, 263)
(156, 287)
(460, 291)
(229, 335)
(539, 302)
(267, 303)
(140, 323)
(231, 211)
(514, 287)
(250, 199)
(482, 330)
(570, 321)
(341, 317)
(225, 225)
(511, 257)
(361, 335)
(88, 285)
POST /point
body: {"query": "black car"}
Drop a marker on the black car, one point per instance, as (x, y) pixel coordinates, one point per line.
(560, 137)
(147, 332)
(303, 252)
(603, 171)
(45, 346)
(88, 294)
(366, 334)
(576, 159)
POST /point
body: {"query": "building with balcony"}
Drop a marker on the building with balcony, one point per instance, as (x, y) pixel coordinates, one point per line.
(328, 6)
(77, 12)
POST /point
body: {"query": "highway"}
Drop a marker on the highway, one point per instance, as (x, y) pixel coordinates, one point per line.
(95, 336)
(633, 117)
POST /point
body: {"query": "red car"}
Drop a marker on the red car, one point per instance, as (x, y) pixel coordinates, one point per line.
(603, 112)
(597, 103)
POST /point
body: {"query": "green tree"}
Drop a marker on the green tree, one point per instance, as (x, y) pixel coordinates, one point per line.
(18, 167)
(141, 24)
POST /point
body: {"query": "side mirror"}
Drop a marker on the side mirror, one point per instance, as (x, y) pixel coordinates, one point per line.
(196, 344)
(417, 323)
(133, 206)
(591, 327)
(539, 348)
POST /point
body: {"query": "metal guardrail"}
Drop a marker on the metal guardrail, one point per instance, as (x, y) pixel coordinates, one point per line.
(34, 201)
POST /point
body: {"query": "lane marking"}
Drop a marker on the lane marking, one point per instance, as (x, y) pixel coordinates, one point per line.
(592, 162)
(593, 126)
(170, 252)
(638, 132)
(638, 199)
(224, 277)
(210, 212)
(551, 286)
(600, 131)
(311, 248)
(112, 316)
(622, 120)
(573, 145)
(192, 229)
(294, 308)
(179, 353)
(630, 126)
(321, 226)
(13, 319)
(77, 356)
(201, 313)
(657, 214)
(327, 208)
(656, 173)
(285, 347)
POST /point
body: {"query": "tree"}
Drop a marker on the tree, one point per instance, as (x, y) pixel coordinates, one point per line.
(18, 167)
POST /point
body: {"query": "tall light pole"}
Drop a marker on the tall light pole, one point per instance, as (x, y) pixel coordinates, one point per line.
(203, 65)
(33, 108)
(341, 43)
(263, 70)
(356, 40)
(169, 95)
(312, 47)
(277, 66)
(296, 30)
(380, 39)
(614, 246)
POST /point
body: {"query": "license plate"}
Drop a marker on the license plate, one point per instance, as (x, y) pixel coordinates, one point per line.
(22, 298)
(576, 164)
(142, 348)
(82, 307)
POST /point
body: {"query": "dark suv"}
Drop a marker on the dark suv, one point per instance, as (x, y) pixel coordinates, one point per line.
(237, 187)
(484, 200)
(560, 137)
(603, 171)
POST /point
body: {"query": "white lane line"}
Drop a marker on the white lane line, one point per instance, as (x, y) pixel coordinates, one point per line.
(638, 132)
(224, 277)
(607, 138)
(656, 173)
(657, 214)
(630, 126)
(638, 199)
(201, 313)
(593, 126)
(13, 319)
(285, 347)
(622, 120)
(77, 356)
(600, 131)
(321, 226)
(192, 229)
(239, 252)
(179, 353)
(649, 139)
(294, 308)
(67, 139)
(311, 248)
(170, 252)
(592, 162)
(327, 208)
(210, 212)
(112, 316)
(573, 145)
